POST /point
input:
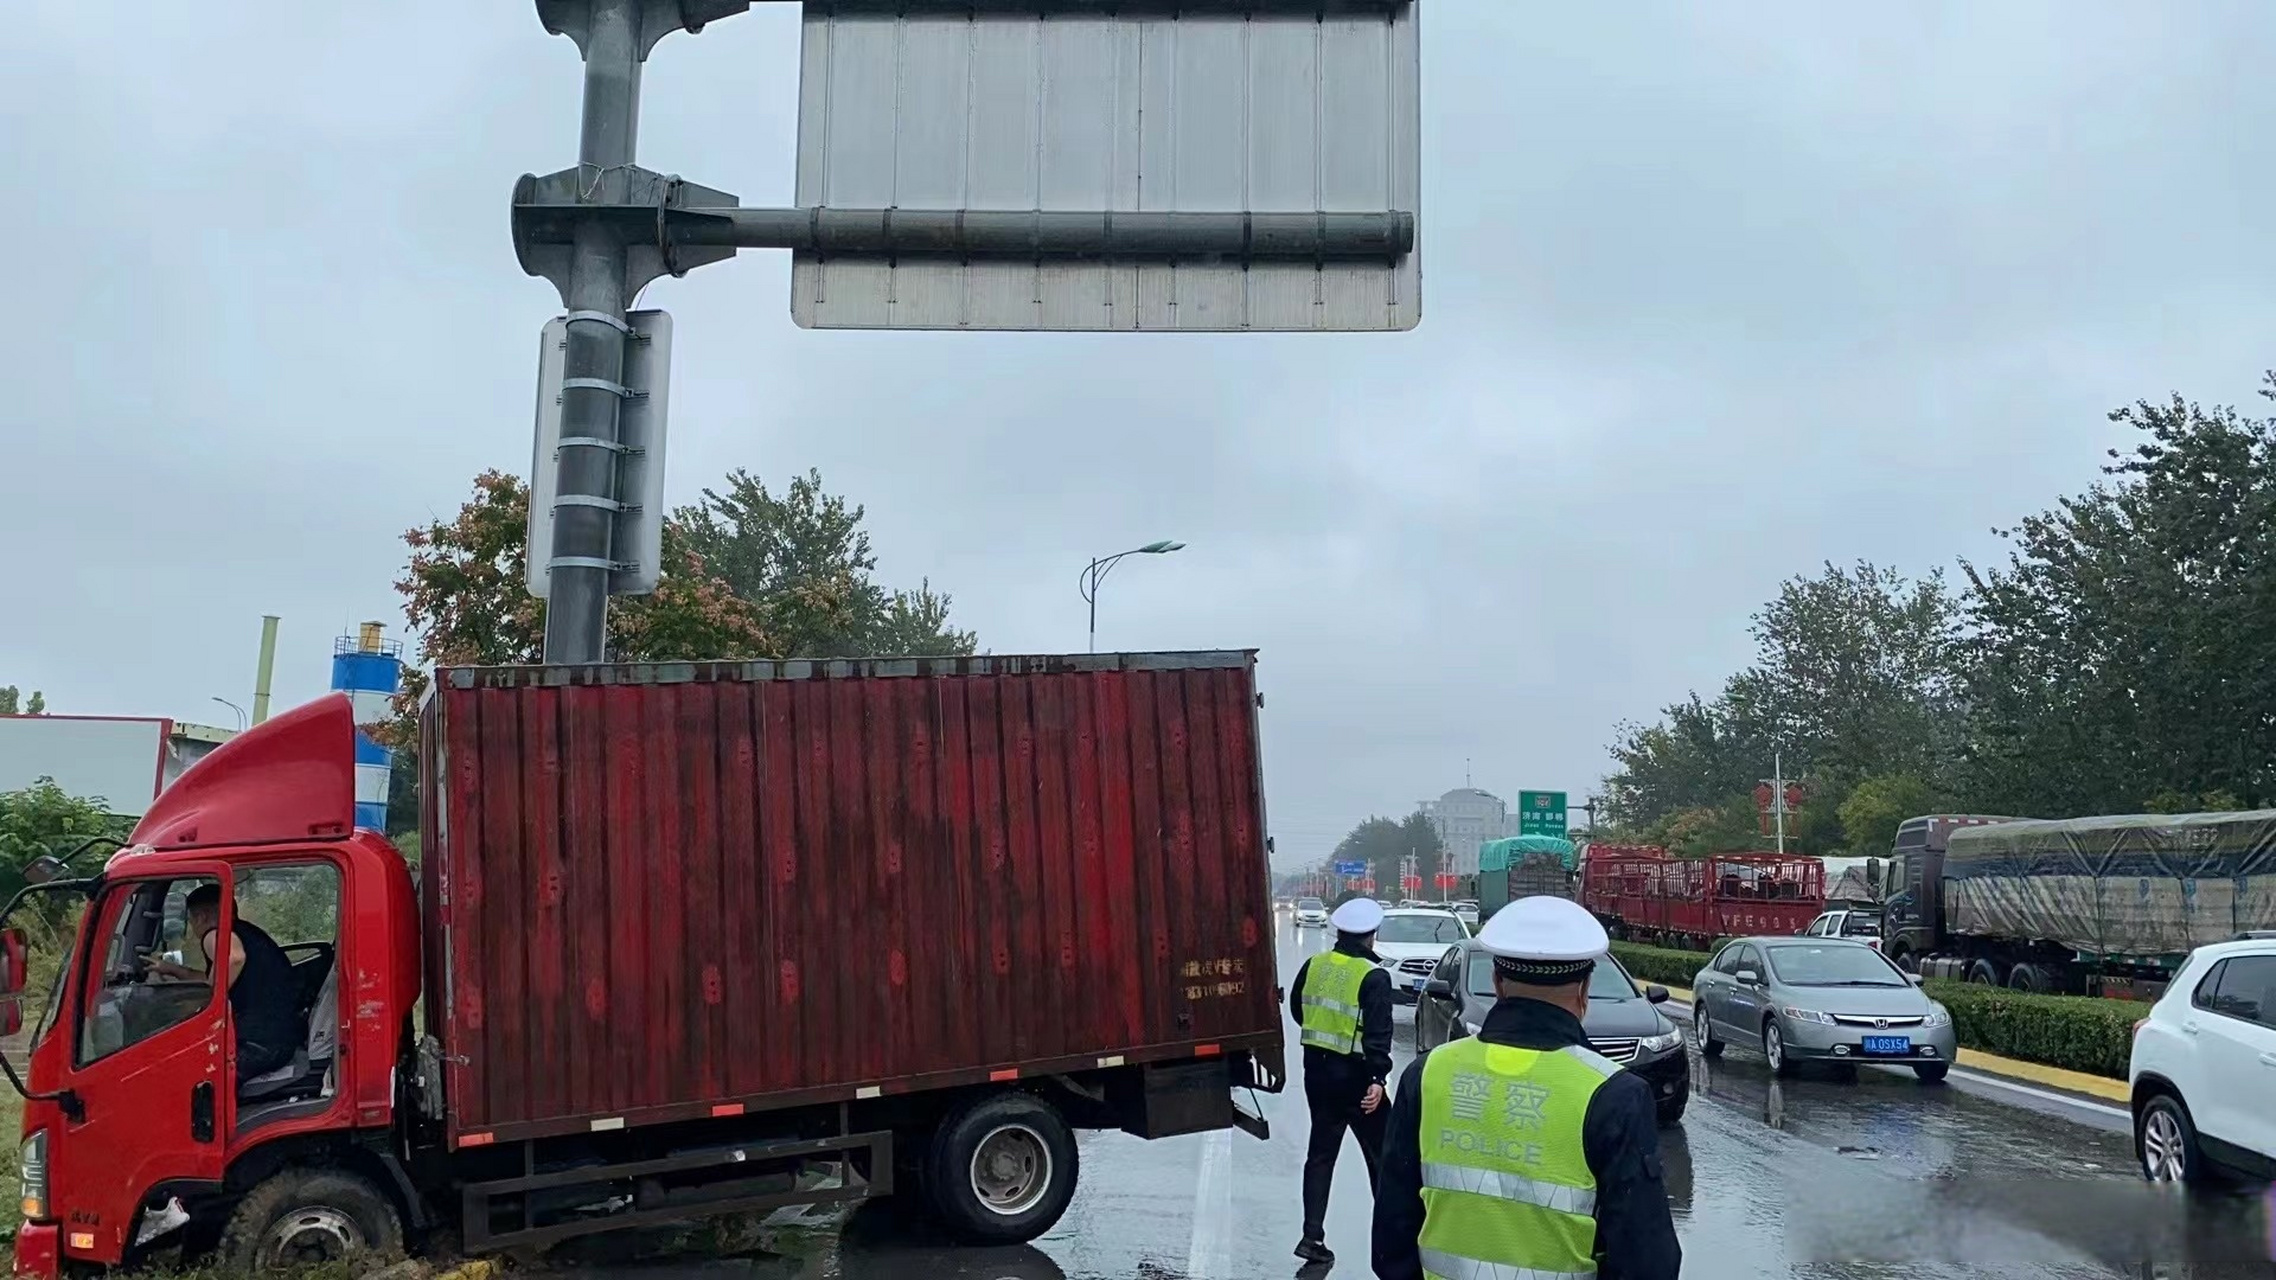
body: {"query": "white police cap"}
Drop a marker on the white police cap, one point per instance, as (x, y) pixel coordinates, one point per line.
(1544, 939)
(1360, 915)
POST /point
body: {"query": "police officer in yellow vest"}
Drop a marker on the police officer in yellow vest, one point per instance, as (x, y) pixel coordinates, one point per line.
(1519, 1152)
(1341, 1000)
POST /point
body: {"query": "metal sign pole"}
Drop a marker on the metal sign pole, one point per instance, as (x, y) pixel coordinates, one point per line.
(584, 514)
(1019, 217)
(599, 265)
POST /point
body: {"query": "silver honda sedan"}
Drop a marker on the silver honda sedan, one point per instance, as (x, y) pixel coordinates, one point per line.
(1819, 999)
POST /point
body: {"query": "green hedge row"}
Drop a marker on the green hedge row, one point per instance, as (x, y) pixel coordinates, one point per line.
(2073, 1032)
(2079, 1033)
(1663, 965)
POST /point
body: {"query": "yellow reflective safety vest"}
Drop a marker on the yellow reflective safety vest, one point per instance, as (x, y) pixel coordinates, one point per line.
(1331, 1001)
(1507, 1192)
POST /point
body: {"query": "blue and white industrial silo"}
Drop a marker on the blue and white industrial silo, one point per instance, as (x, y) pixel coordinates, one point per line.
(369, 670)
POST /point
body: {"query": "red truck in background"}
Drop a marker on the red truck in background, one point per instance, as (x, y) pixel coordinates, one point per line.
(687, 935)
(1642, 894)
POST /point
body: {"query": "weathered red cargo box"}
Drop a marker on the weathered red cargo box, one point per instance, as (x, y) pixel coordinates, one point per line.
(672, 891)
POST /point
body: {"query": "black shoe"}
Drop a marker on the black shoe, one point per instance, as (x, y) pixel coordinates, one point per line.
(1314, 1251)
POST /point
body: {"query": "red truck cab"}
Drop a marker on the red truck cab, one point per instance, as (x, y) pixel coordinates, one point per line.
(137, 1108)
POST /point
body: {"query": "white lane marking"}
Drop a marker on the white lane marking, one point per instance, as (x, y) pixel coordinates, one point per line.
(2065, 1099)
(1210, 1256)
(2001, 1082)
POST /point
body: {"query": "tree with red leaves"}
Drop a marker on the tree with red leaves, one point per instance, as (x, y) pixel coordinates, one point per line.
(466, 600)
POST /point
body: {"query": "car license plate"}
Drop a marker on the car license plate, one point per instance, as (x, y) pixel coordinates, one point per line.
(1891, 1045)
(1418, 983)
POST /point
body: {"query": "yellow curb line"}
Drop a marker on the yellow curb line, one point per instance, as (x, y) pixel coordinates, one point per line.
(478, 1269)
(2092, 1086)
(2054, 1077)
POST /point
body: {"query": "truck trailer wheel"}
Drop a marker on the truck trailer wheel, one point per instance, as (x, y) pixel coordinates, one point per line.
(2030, 977)
(1001, 1170)
(304, 1216)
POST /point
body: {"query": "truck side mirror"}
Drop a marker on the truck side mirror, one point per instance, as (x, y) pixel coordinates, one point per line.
(42, 869)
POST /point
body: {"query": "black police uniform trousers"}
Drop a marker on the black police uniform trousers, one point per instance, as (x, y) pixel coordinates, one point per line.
(1334, 1083)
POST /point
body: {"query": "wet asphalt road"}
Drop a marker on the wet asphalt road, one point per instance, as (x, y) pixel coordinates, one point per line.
(1878, 1177)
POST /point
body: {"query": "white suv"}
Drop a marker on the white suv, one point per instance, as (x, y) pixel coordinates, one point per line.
(2204, 1067)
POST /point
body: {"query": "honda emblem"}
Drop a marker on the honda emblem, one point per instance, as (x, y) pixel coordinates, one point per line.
(1881, 1024)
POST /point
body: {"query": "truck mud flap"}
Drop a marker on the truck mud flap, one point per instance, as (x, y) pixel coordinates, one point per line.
(738, 1178)
(1165, 1100)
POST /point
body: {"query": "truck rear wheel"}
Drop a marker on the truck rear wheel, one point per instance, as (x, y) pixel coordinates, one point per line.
(1001, 1170)
(304, 1216)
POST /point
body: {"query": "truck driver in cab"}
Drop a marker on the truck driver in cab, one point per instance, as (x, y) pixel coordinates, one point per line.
(260, 982)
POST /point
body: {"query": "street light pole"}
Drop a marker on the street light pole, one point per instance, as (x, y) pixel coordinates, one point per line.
(1096, 573)
(233, 707)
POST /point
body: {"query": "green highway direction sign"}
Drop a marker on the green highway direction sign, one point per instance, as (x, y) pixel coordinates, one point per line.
(1541, 813)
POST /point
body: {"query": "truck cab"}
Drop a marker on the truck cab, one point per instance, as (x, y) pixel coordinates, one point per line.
(1914, 918)
(146, 1114)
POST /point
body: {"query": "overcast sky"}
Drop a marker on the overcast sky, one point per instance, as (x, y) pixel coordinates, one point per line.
(1715, 292)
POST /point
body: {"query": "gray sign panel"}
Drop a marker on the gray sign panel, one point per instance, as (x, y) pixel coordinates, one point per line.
(1285, 109)
(638, 541)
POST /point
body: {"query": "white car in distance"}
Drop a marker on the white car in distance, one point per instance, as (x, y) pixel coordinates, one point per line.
(1311, 913)
(1410, 944)
(2203, 1071)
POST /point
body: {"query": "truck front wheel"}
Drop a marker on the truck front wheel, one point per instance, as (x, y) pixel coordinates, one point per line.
(305, 1216)
(1001, 1169)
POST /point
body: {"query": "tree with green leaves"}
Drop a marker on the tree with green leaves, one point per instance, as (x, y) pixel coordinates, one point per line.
(1873, 810)
(13, 702)
(1853, 672)
(1698, 755)
(465, 598)
(803, 557)
(43, 820)
(744, 575)
(2125, 655)
(1382, 843)
(1854, 675)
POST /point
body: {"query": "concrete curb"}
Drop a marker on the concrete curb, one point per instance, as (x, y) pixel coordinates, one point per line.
(1991, 1064)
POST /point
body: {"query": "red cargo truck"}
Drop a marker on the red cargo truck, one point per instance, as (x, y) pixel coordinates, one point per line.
(691, 939)
(1690, 902)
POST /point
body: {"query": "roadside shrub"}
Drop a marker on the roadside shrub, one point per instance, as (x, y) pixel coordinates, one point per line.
(1663, 965)
(2077, 1033)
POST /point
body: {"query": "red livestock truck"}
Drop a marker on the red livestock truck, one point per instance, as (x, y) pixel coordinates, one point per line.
(1647, 896)
(688, 936)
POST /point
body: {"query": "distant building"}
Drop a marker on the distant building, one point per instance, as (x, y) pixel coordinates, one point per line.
(125, 761)
(1466, 818)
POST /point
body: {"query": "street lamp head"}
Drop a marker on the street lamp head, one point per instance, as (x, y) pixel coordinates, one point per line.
(1164, 547)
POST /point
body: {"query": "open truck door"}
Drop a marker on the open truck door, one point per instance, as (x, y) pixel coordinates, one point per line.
(145, 1097)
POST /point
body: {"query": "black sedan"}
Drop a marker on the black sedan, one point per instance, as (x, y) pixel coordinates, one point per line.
(1624, 1022)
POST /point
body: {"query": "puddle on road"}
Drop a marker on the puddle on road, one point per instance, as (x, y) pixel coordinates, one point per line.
(1831, 1178)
